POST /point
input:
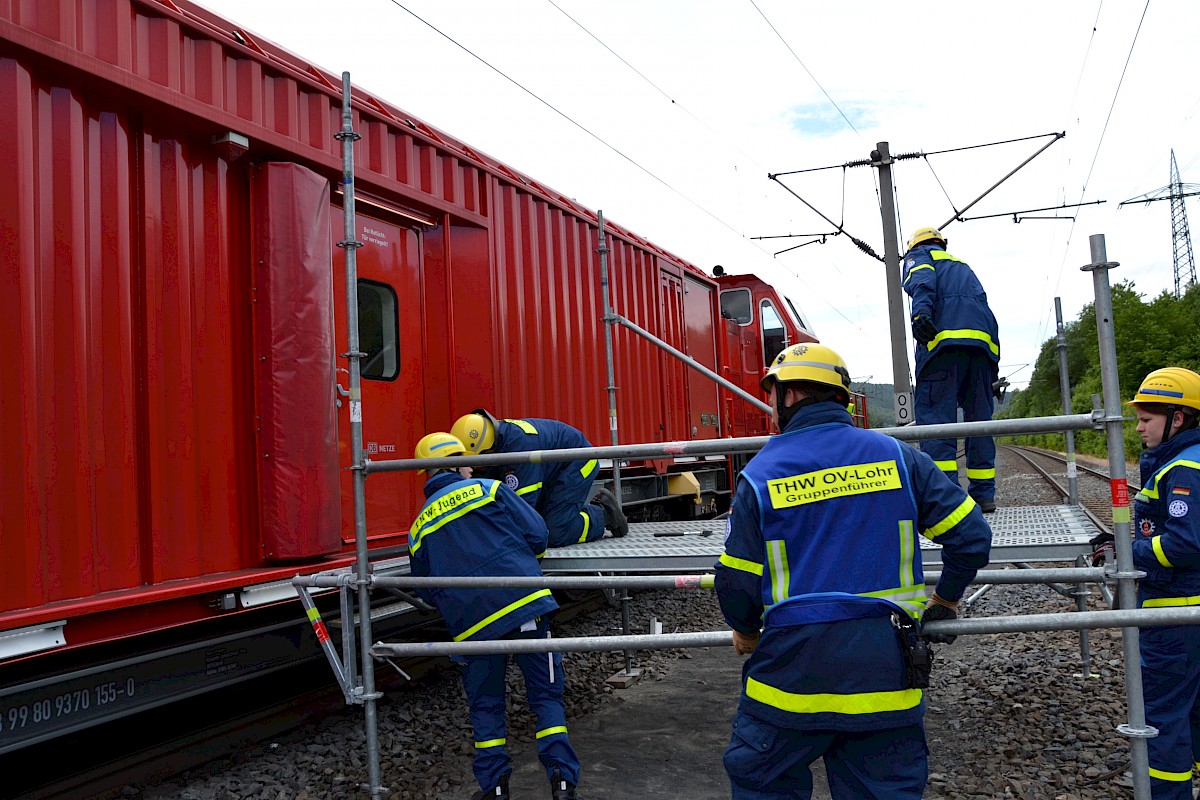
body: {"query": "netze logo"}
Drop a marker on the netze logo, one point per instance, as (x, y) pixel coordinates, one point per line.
(376, 447)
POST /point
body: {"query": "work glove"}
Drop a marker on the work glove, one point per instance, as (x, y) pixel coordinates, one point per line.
(935, 610)
(999, 387)
(744, 643)
(923, 329)
(1103, 549)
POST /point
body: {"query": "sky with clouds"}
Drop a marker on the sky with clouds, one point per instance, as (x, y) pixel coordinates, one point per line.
(669, 115)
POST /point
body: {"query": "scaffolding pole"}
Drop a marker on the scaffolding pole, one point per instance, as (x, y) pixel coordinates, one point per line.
(1136, 729)
(366, 693)
(744, 444)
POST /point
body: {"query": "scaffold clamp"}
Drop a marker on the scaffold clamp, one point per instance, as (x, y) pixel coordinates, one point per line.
(1144, 732)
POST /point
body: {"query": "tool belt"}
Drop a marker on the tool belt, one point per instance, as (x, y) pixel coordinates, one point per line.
(918, 658)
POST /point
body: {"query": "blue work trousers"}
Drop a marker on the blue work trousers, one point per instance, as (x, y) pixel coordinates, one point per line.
(483, 679)
(569, 516)
(954, 378)
(1170, 659)
(765, 762)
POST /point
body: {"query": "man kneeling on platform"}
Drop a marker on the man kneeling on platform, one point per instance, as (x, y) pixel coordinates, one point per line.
(559, 490)
(823, 533)
(475, 526)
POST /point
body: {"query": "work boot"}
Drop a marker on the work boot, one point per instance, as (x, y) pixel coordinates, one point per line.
(497, 792)
(614, 517)
(560, 787)
(987, 506)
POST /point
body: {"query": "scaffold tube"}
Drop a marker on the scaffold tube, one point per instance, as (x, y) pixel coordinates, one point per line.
(650, 582)
(744, 444)
(1070, 621)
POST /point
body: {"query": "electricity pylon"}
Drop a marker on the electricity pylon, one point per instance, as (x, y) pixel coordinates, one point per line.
(1181, 237)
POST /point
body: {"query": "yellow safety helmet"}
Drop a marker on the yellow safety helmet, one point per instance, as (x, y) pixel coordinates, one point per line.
(477, 431)
(810, 362)
(925, 235)
(1171, 386)
(438, 445)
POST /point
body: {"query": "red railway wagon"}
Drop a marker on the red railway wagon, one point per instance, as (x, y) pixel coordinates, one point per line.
(174, 446)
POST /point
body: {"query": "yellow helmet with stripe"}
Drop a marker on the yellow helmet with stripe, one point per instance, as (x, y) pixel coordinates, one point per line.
(925, 235)
(477, 431)
(438, 445)
(811, 362)
(1171, 386)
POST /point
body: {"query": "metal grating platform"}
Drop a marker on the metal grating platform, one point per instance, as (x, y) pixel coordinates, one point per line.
(1019, 533)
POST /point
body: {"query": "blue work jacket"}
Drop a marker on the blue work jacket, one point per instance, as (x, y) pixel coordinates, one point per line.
(1166, 525)
(478, 527)
(531, 480)
(944, 289)
(821, 552)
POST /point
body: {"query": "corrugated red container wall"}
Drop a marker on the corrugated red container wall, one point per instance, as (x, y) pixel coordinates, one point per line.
(127, 453)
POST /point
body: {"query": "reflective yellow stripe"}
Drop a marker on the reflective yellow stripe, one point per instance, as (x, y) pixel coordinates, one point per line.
(965, 333)
(551, 731)
(488, 620)
(1163, 775)
(539, 555)
(911, 598)
(588, 468)
(918, 269)
(956, 516)
(1151, 491)
(419, 531)
(781, 578)
(907, 542)
(861, 703)
(587, 525)
(1163, 602)
(523, 425)
(947, 466)
(533, 487)
(1156, 543)
(490, 743)
(742, 564)
(980, 474)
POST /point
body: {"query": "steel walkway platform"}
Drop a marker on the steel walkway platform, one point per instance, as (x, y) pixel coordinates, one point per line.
(1019, 534)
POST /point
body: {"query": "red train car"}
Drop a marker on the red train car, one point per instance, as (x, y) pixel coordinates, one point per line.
(174, 446)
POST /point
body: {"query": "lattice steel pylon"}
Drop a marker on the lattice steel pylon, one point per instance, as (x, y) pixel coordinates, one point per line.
(1181, 237)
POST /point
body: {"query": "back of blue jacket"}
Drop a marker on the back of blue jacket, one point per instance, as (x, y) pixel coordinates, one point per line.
(822, 550)
(946, 290)
(524, 435)
(479, 527)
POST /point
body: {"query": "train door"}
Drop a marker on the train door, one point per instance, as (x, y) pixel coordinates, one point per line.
(676, 425)
(389, 332)
(701, 341)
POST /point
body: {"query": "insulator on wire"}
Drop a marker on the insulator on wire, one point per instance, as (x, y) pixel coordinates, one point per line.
(866, 248)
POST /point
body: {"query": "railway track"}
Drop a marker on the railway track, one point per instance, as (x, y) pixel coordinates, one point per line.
(1094, 487)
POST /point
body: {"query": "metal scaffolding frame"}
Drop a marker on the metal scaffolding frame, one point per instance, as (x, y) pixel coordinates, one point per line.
(354, 667)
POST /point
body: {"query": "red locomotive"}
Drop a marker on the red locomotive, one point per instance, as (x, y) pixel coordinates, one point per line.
(174, 440)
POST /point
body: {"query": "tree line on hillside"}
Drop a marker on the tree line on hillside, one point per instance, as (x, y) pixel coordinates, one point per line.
(1162, 332)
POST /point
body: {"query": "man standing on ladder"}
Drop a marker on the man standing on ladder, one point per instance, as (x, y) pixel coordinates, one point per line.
(957, 355)
(558, 490)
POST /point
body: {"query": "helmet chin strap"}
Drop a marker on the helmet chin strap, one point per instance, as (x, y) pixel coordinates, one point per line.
(785, 413)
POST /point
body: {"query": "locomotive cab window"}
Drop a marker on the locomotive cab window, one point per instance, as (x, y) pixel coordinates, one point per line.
(377, 326)
(774, 335)
(736, 305)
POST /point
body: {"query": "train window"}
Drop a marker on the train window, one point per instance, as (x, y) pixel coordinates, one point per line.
(796, 313)
(773, 333)
(736, 305)
(377, 326)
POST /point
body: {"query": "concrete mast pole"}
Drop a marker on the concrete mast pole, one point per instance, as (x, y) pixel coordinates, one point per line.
(881, 159)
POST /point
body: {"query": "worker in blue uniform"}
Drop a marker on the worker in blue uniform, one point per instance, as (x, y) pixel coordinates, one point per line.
(957, 357)
(821, 580)
(559, 490)
(471, 527)
(1166, 546)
